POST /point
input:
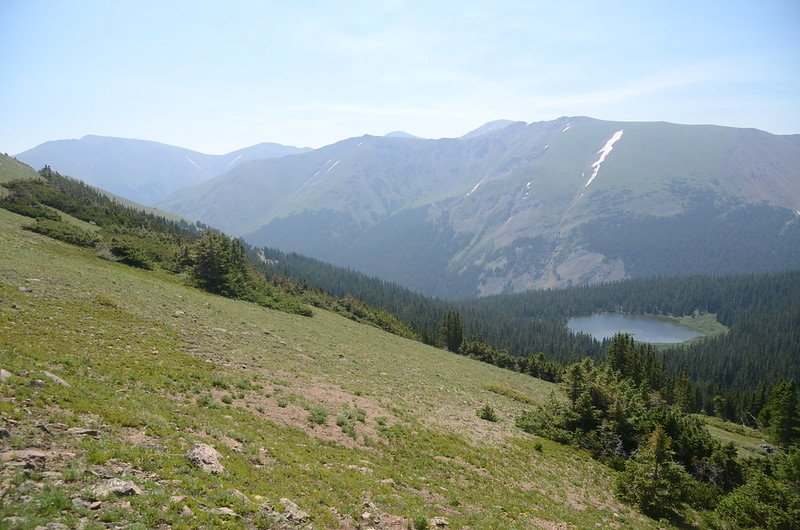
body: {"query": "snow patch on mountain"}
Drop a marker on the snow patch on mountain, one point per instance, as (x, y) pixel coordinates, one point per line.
(333, 166)
(234, 160)
(527, 190)
(603, 154)
(194, 163)
(566, 128)
(475, 188)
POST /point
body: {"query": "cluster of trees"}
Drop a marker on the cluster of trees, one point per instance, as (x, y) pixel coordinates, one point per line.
(621, 411)
(536, 365)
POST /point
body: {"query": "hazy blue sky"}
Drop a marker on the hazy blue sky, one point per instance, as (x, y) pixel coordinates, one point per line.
(215, 76)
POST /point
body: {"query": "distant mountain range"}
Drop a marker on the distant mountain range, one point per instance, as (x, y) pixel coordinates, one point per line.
(513, 205)
(510, 206)
(141, 170)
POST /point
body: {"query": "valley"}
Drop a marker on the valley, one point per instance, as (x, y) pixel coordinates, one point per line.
(399, 265)
(156, 372)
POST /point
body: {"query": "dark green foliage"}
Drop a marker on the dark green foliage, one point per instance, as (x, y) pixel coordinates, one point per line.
(548, 421)
(764, 501)
(27, 206)
(711, 236)
(451, 332)
(652, 481)
(605, 413)
(487, 413)
(534, 365)
(68, 233)
(722, 469)
(780, 416)
(130, 254)
(618, 412)
(691, 444)
(218, 265)
(378, 317)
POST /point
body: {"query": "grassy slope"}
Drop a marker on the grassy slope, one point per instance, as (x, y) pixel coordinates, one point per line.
(748, 441)
(11, 169)
(153, 382)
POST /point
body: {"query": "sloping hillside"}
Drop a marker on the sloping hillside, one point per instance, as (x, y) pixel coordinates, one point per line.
(339, 418)
(140, 170)
(523, 205)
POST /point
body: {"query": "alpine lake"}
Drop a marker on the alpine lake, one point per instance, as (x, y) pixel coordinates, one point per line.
(643, 328)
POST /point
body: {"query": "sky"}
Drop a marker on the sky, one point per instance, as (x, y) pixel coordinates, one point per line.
(218, 76)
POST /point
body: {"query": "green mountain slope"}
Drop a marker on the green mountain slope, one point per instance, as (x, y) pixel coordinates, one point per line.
(140, 170)
(523, 205)
(153, 367)
(12, 169)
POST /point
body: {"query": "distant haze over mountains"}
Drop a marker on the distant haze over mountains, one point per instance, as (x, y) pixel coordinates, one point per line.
(512, 206)
(141, 170)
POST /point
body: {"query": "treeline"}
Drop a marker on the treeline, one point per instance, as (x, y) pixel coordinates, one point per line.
(625, 411)
(208, 259)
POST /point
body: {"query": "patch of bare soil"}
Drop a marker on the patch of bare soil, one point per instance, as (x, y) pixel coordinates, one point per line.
(319, 393)
(549, 525)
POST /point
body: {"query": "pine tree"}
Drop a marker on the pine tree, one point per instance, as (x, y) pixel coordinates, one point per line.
(615, 353)
(451, 331)
(780, 414)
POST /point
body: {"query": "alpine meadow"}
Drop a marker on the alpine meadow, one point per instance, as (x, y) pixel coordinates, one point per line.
(230, 299)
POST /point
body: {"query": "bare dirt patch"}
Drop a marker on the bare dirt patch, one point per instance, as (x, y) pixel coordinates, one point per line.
(549, 525)
(275, 405)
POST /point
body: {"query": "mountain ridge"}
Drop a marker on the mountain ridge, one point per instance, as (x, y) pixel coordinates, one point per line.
(144, 171)
(509, 209)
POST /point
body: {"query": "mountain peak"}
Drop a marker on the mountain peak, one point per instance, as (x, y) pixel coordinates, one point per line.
(399, 134)
(490, 127)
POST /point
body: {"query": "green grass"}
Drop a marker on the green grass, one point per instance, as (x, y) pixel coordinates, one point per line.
(11, 169)
(511, 393)
(747, 440)
(705, 323)
(151, 383)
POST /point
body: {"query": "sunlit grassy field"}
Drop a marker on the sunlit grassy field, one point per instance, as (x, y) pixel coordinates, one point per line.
(339, 417)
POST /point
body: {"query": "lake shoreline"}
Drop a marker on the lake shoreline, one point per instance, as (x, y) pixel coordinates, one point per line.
(650, 328)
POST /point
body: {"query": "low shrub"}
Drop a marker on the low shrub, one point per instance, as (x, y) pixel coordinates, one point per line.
(317, 416)
(129, 254)
(487, 413)
(62, 231)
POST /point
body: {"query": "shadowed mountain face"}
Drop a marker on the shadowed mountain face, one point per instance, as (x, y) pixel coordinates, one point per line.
(140, 170)
(568, 201)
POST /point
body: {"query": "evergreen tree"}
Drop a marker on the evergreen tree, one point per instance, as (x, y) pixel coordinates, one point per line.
(780, 414)
(210, 262)
(652, 481)
(452, 333)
